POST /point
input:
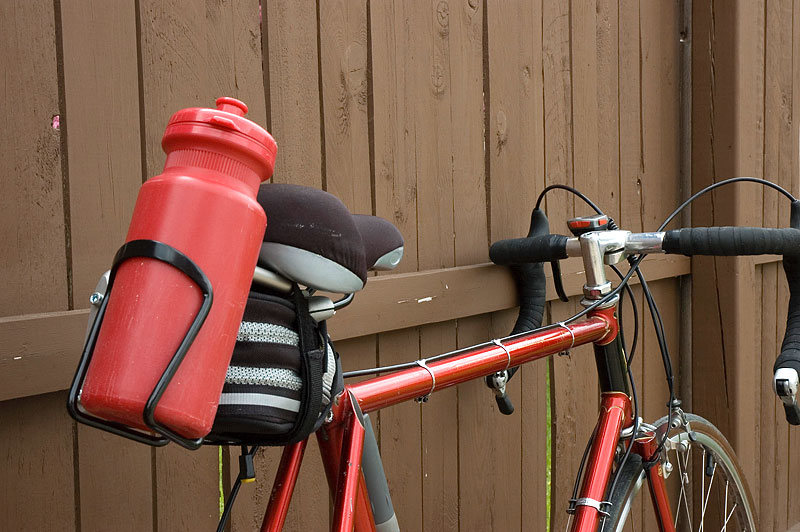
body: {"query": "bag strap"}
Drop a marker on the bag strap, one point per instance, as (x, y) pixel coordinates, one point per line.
(312, 366)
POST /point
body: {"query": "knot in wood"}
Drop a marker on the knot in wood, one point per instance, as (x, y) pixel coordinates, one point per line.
(437, 79)
(354, 71)
(502, 130)
(443, 16)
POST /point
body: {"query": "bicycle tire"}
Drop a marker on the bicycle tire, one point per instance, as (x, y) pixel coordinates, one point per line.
(701, 439)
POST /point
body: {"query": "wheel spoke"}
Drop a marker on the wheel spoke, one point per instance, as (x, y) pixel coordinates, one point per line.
(708, 495)
(725, 511)
(725, 524)
(700, 453)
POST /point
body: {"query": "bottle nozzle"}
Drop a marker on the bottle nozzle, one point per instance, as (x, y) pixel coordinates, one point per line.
(231, 105)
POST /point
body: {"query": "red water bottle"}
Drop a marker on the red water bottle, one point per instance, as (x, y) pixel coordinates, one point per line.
(204, 205)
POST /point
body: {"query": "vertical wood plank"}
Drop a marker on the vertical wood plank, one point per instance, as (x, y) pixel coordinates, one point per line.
(777, 152)
(36, 446)
(467, 115)
(440, 486)
(36, 434)
(515, 146)
(343, 61)
(608, 106)
(782, 431)
(430, 46)
(400, 435)
(631, 168)
(394, 127)
(292, 80)
(115, 474)
(793, 181)
(768, 493)
(190, 55)
(33, 257)
(397, 82)
(104, 142)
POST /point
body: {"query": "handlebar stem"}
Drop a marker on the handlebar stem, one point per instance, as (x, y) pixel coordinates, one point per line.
(596, 283)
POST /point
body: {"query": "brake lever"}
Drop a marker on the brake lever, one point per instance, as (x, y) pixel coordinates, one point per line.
(556, 267)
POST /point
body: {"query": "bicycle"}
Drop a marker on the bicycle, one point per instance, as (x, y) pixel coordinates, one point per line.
(623, 452)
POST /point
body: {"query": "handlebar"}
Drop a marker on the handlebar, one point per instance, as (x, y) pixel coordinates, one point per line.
(529, 255)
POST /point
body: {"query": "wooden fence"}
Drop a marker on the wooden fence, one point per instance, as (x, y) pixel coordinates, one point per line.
(447, 118)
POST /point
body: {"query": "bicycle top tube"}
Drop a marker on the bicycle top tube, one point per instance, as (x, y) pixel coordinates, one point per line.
(482, 360)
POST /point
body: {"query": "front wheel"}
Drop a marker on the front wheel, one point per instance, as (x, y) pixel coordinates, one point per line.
(706, 487)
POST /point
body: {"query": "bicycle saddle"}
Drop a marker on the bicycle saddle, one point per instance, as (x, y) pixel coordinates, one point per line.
(312, 239)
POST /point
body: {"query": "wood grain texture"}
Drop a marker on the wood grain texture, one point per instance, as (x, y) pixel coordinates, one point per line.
(777, 154)
(388, 105)
(398, 82)
(36, 434)
(771, 412)
(515, 153)
(105, 165)
(36, 446)
(440, 480)
(190, 55)
(41, 351)
(116, 484)
(793, 182)
(104, 137)
(33, 257)
(401, 436)
(345, 83)
(289, 30)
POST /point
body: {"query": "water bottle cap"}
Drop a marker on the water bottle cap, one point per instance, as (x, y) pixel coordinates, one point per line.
(223, 129)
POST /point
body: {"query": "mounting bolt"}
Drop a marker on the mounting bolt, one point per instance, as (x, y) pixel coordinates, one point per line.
(96, 298)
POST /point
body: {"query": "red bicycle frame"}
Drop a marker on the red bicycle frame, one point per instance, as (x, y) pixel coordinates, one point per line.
(341, 441)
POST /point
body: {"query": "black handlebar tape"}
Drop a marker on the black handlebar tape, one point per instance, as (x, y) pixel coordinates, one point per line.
(504, 404)
(543, 248)
(730, 241)
(530, 279)
(531, 284)
(790, 348)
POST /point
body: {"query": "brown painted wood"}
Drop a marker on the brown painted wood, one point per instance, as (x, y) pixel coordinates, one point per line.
(515, 149)
(782, 429)
(465, 33)
(397, 84)
(393, 127)
(434, 156)
(291, 82)
(344, 50)
(793, 493)
(105, 165)
(291, 79)
(33, 260)
(400, 435)
(778, 134)
(37, 449)
(440, 458)
(492, 441)
(36, 434)
(190, 55)
(53, 341)
(40, 352)
(116, 483)
(104, 137)
(770, 410)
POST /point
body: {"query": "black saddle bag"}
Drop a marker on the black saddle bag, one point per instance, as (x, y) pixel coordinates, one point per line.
(282, 377)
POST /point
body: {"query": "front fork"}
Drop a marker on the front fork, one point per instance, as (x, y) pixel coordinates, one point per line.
(615, 415)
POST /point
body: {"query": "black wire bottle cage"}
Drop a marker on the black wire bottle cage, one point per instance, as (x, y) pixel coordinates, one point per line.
(161, 435)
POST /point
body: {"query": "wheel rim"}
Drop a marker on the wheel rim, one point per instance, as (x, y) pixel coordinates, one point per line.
(707, 491)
